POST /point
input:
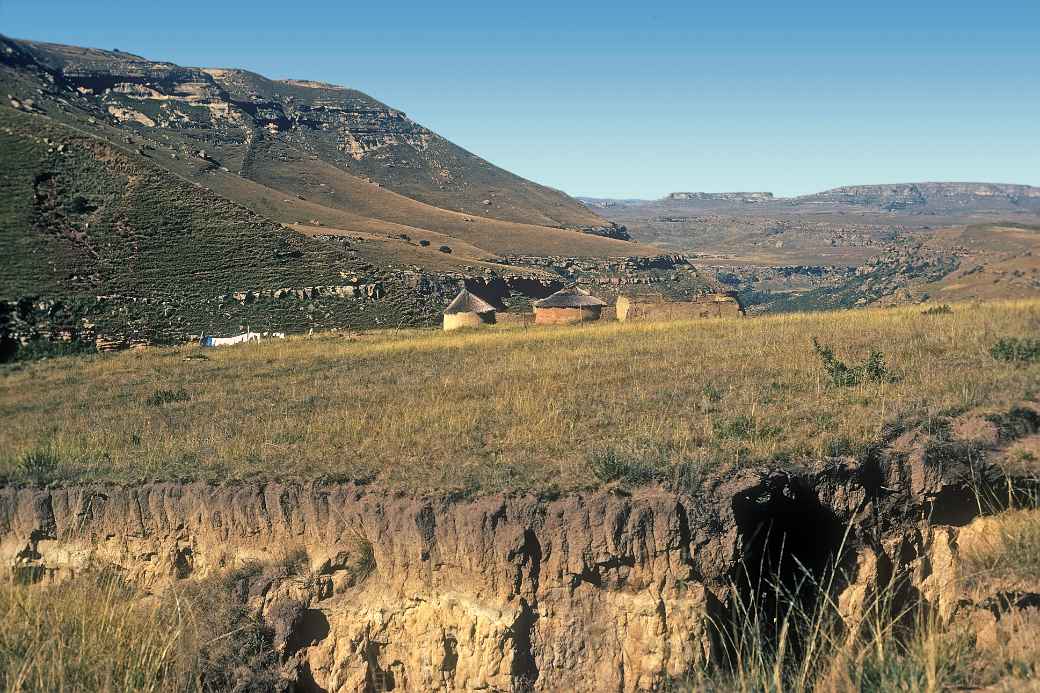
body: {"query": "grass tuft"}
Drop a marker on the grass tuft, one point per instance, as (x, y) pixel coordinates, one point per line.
(163, 397)
(1015, 349)
(40, 466)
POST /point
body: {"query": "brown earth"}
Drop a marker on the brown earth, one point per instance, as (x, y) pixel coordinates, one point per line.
(608, 590)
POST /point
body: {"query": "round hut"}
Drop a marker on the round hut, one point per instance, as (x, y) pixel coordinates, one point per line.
(468, 310)
(567, 306)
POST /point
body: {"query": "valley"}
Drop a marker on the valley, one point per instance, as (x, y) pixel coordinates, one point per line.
(849, 246)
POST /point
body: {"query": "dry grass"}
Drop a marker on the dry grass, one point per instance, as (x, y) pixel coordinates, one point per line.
(1005, 547)
(508, 407)
(94, 632)
(900, 643)
(87, 635)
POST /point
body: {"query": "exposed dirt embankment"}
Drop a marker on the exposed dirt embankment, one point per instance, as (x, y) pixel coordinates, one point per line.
(609, 590)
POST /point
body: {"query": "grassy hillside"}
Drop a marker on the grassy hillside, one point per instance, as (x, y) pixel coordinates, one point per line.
(995, 260)
(417, 163)
(84, 219)
(513, 408)
(350, 156)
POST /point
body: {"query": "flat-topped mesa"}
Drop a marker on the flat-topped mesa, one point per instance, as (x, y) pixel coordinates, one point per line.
(749, 197)
(938, 195)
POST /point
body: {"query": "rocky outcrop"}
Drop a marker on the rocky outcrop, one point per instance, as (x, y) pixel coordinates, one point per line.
(930, 196)
(608, 231)
(610, 590)
(746, 197)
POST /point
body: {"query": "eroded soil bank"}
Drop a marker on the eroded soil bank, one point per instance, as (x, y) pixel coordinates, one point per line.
(609, 590)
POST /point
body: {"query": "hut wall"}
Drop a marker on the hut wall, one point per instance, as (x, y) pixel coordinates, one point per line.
(702, 307)
(565, 316)
(457, 320)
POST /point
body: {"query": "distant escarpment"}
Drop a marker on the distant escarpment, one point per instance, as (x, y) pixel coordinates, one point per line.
(948, 197)
(722, 197)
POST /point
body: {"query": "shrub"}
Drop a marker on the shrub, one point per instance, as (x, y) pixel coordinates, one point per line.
(77, 204)
(711, 393)
(228, 645)
(362, 560)
(610, 465)
(739, 427)
(944, 309)
(424, 243)
(445, 249)
(844, 375)
(40, 466)
(1015, 349)
(162, 397)
(40, 348)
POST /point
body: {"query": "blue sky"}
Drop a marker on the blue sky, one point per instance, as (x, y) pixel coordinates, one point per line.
(638, 100)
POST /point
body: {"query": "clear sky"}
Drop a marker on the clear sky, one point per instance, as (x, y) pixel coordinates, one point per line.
(639, 99)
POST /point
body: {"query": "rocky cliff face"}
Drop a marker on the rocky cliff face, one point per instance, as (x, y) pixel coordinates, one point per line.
(948, 197)
(611, 590)
(748, 197)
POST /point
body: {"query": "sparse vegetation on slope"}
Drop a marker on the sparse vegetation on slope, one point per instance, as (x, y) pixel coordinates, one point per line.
(512, 408)
(97, 632)
(339, 155)
(151, 257)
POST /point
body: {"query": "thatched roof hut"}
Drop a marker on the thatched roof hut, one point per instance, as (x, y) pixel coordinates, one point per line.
(568, 305)
(468, 310)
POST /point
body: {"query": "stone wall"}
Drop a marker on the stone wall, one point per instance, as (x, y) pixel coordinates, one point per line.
(566, 316)
(709, 306)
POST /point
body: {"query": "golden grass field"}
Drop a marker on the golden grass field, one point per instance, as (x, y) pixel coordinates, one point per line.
(506, 407)
(510, 408)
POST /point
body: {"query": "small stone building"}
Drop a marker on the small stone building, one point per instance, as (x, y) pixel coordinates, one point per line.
(468, 310)
(566, 306)
(717, 305)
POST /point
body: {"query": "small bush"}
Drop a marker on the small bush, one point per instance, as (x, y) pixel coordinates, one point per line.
(445, 249)
(424, 243)
(228, 645)
(739, 427)
(610, 465)
(40, 466)
(839, 446)
(362, 560)
(711, 393)
(841, 374)
(77, 204)
(743, 427)
(162, 397)
(1015, 349)
(944, 309)
(37, 349)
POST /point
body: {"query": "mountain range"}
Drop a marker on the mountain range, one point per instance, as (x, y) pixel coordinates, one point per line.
(143, 201)
(916, 198)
